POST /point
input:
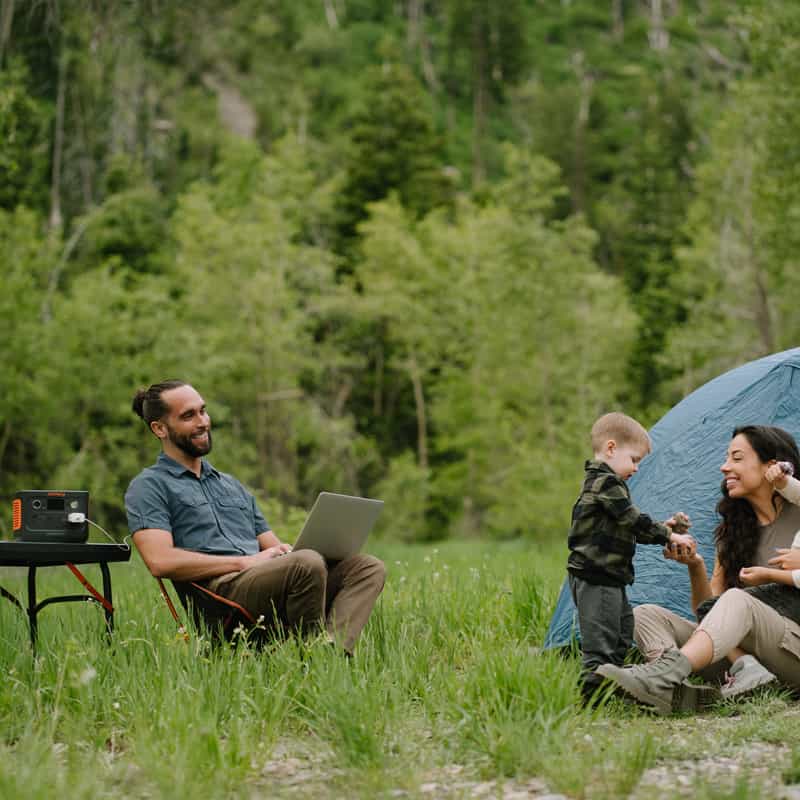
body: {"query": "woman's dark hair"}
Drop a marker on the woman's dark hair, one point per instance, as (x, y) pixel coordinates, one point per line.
(148, 404)
(738, 534)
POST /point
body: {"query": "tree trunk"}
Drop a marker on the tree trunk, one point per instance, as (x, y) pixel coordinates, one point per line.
(585, 85)
(55, 273)
(342, 396)
(479, 98)
(657, 35)
(6, 19)
(414, 18)
(419, 401)
(416, 37)
(617, 19)
(377, 395)
(330, 14)
(761, 311)
(5, 438)
(56, 218)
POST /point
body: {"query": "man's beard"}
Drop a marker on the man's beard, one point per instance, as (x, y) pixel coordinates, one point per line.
(189, 447)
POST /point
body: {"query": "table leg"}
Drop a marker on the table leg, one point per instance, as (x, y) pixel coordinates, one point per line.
(10, 597)
(32, 610)
(107, 594)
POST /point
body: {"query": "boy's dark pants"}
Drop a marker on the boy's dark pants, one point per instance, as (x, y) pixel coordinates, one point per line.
(605, 618)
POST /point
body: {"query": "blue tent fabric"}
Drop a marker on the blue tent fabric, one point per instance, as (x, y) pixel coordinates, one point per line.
(682, 473)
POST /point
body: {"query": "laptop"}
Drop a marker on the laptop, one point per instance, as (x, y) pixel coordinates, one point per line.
(338, 525)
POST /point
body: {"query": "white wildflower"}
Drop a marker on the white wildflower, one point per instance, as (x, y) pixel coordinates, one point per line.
(87, 676)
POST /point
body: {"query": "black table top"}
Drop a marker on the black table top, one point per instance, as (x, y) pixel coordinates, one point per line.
(47, 554)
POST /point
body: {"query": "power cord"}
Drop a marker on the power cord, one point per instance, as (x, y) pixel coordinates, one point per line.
(78, 518)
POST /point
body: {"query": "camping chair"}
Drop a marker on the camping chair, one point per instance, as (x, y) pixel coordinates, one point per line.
(207, 609)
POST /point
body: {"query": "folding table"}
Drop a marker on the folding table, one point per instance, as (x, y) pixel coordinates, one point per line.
(54, 554)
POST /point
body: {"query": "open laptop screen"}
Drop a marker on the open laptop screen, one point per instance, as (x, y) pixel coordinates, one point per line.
(338, 525)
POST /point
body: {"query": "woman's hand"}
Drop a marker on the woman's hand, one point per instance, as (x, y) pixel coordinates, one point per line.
(786, 558)
(776, 476)
(755, 576)
(682, 554)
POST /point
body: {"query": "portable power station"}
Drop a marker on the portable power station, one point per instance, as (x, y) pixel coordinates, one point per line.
(41, 515)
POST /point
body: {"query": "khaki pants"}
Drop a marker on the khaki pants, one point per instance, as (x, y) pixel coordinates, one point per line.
(736, 620)
(299, 591)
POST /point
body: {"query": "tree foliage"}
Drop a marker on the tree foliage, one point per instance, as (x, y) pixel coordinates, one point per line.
(404, 248)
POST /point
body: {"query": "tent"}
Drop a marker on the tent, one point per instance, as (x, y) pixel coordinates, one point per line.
(682, 473)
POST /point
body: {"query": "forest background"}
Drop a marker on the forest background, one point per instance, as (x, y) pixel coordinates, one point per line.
(405, 248)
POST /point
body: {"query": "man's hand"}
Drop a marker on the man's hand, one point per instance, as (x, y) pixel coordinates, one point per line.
(268, 553)
(776, 476)
(786, 558)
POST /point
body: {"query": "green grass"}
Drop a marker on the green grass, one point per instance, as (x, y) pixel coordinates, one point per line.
(446, 693)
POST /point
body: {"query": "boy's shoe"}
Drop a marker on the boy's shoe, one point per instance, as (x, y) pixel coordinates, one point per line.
(745, 676)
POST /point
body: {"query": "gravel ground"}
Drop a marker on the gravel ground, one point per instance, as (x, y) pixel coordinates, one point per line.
(757, 764)
(294, 772)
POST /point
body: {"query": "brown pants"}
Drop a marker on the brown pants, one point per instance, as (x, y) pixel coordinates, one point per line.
(736, 620)
(300, 591)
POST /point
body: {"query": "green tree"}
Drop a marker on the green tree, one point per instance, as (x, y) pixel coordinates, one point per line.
(111, 330)
(252, 296)
(539, 345)
(641, 217)
(25, 259)
(395, 148)
(129, 224)
(736, 275)
(723, 271)
(24, 158)
(486, 50)
(519, 341)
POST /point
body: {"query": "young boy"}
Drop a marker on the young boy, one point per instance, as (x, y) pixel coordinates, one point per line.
(602, 540)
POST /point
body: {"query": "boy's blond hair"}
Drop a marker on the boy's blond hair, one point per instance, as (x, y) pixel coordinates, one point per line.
(619, 427)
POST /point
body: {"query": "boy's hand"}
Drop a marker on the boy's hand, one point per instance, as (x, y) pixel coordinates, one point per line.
(679, 522)
(776, 476)
(755, 576)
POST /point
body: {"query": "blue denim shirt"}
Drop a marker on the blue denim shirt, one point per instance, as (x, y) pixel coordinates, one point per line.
(210, 514)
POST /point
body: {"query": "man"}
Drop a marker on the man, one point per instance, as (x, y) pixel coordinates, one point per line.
(191, 522)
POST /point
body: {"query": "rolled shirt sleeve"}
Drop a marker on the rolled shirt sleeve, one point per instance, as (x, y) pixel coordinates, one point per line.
(146, 505)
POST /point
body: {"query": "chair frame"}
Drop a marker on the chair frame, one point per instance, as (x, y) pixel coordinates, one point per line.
(206, 608)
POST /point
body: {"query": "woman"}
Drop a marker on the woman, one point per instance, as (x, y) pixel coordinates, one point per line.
(757, 528)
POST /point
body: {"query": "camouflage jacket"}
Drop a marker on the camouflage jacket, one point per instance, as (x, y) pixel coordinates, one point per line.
(605, 528)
